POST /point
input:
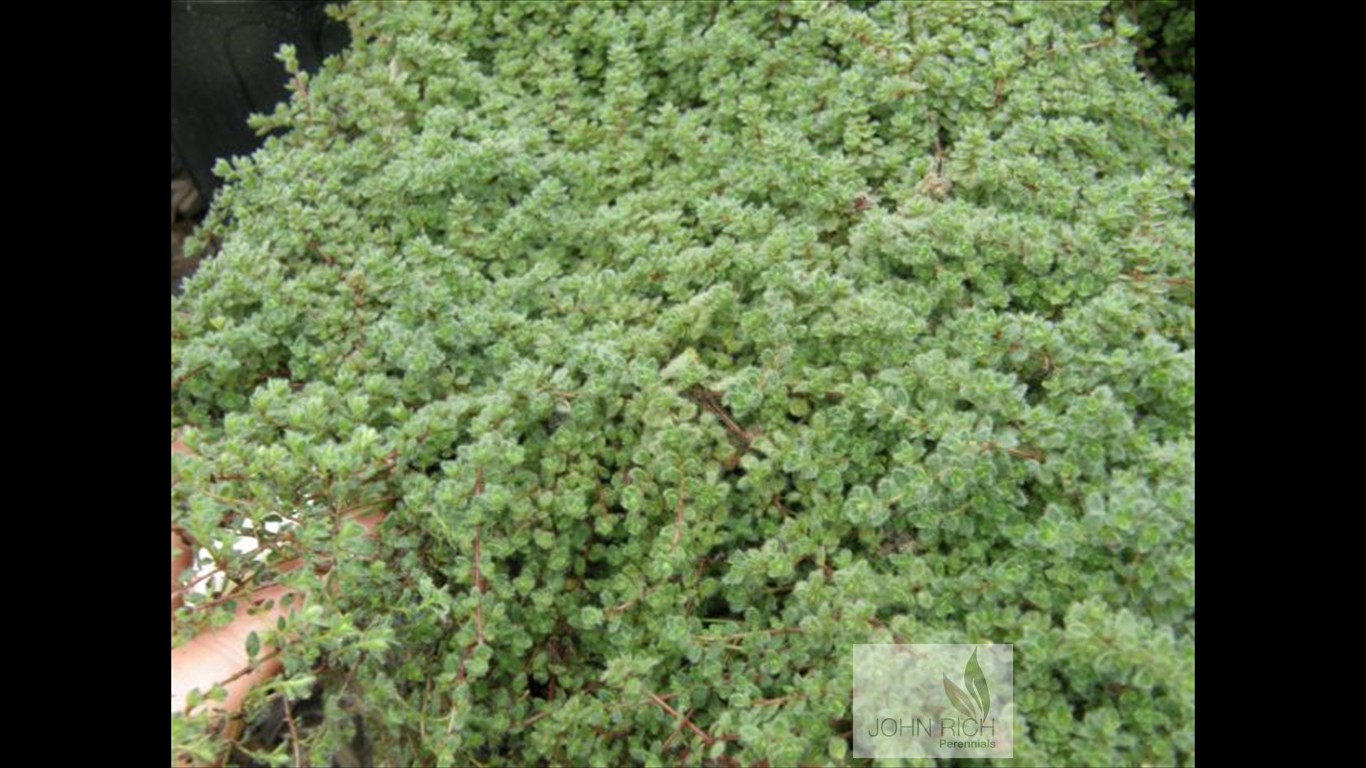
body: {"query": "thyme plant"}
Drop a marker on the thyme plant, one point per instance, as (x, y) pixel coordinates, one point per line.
(685, 346)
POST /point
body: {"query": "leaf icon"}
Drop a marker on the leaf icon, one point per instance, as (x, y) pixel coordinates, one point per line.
(976, 682)
(957, 697)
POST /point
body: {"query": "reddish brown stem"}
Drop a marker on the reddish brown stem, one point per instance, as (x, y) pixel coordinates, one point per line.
(479, 593)
(247, 670)
(293, 733)
(678, 520)
(478, 579)
(233, 596)
(778, 502)
(675, 714)
(629, 604)
(195, 372)
(1019, 453)
(777, 701)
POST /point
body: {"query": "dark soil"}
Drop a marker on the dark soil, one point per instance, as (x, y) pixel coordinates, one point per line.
(186, 211)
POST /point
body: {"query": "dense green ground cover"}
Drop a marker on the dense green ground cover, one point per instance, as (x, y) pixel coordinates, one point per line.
(688, 345)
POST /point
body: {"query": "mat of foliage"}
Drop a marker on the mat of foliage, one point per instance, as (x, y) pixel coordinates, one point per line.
(687, 345)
